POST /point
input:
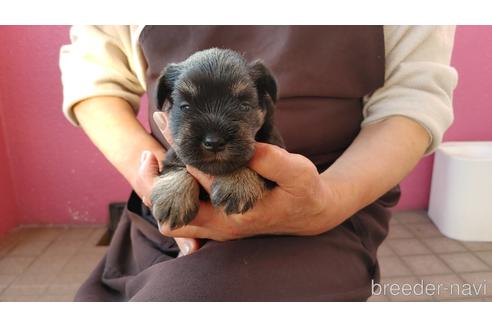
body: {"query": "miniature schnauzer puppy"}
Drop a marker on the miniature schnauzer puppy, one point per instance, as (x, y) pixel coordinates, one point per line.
(219, 105)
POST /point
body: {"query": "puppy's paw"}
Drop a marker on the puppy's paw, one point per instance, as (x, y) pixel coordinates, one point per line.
(175, 198)
(237, 192)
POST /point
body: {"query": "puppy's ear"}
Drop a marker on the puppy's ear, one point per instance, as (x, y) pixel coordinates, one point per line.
(263, 79)
(165, 83)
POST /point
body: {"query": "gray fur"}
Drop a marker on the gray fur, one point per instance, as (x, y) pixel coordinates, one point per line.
(237, 192)
(215, 96)
(175, 198)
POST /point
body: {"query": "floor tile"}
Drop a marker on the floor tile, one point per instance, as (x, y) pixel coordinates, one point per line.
(426, 264)
(64, 247)
(82, 263)
(95, 236)
(48, 264)
(445, 286)
(24, 290)
(478, 246)
(29, 279)
(23, 233)
(486, 257)
(393, 267)
(464, 262)
(76, 234)
(409, 246)
(45, 233)
(62, 289)
(423, 230)
(404, 289)
(98, 251)
(384, 250)
(394, 222)
(19, 298)
(443, 245)
(481, 283)
(466, 299)
(399, 231)
(412, 217)
(5, 281)
(14, 264)
(91, 244)
(7, 243)
(71, 278)
(378, 298)
(30, 247)
(55, 298)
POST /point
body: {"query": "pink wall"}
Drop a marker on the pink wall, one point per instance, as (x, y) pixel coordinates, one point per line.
(55, 175)
(8, 201)
(58, 176)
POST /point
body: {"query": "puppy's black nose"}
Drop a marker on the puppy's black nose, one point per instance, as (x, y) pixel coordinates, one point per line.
(213, 142)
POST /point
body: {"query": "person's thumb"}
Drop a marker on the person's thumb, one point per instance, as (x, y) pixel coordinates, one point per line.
(278, 165)
(187, 245)
(160, 119)
(147, 171)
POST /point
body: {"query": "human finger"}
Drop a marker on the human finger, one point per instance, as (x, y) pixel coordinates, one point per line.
(187, 245)
(147, 171)
(160, 119)
(204, 179)
(278, 165)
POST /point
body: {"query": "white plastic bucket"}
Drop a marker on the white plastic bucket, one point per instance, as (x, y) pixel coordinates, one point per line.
(460, 202)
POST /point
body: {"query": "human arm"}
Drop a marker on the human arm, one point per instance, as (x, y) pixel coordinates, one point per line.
(102, 84)
(112, 126)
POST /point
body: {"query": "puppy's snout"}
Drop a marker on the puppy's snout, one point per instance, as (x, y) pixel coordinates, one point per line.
(213, 142)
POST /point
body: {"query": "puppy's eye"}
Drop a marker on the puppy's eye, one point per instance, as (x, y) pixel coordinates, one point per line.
(245, 107)
(185, 107)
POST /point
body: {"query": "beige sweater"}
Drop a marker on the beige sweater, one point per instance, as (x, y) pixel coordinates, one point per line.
(419, 82)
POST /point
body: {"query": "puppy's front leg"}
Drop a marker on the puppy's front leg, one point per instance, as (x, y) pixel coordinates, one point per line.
(237, 192)
(175, 197)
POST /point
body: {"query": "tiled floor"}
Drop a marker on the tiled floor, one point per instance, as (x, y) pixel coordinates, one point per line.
(50, 263)
(416, 254)
(47, 263)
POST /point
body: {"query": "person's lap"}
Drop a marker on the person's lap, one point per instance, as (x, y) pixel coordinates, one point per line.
(141, 265)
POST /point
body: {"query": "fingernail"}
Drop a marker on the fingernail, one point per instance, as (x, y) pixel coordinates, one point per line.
(160, 120)
(186, 248)
(144, 156)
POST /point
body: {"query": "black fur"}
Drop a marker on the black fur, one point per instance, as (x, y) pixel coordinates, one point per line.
(217, 92)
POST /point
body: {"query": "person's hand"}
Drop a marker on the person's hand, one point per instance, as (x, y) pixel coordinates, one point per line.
(150, 166)
(301, 204)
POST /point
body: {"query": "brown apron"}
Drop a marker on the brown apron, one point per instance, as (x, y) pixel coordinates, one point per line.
(322, 74)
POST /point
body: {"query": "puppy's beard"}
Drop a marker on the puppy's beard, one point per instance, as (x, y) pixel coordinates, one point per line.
(221, 163)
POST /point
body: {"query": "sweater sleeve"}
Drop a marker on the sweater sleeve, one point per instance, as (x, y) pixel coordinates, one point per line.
(419, 80)
(98, 62)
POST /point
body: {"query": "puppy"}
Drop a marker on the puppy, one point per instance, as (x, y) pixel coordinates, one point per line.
(219, 106)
